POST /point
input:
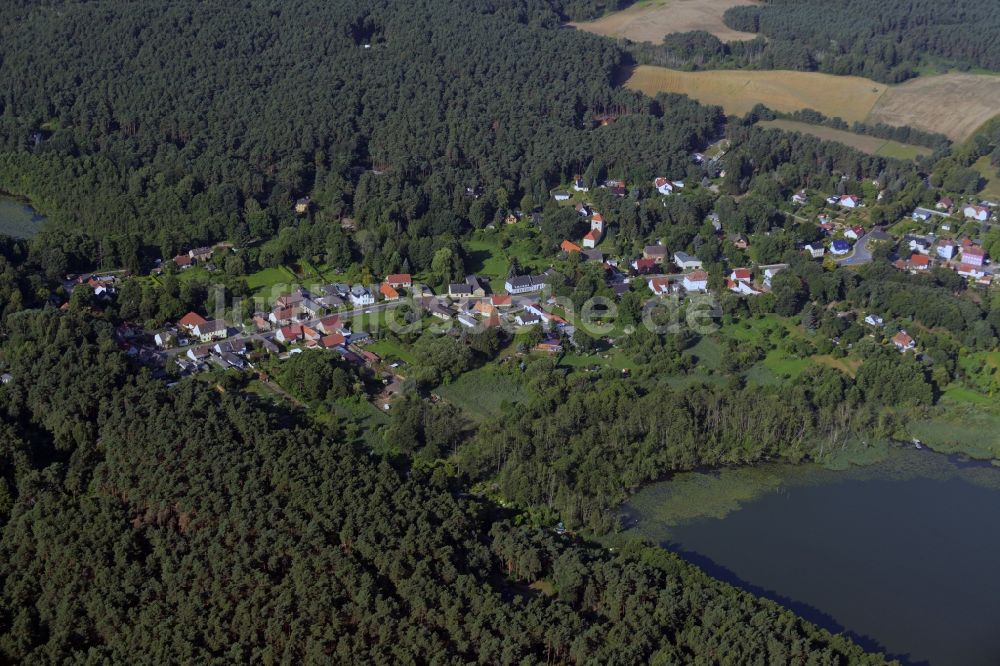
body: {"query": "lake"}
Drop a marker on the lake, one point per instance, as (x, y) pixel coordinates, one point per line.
(902, 555)
(18, 219)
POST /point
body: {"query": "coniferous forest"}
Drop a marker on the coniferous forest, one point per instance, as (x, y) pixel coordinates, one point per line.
(150, 521)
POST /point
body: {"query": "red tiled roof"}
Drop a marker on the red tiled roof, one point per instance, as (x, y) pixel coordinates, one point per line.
(333, 340)
(388, 291)
(192, 319)
(973, 251)
(920, 260)
(570, 246)
(399, 278)
(697, 276)
(741, 274)
(592, 235)
(500, 300)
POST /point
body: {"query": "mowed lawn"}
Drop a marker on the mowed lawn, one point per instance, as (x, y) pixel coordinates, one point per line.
(866, 144)
(652, 20)
(926, 102)
(989, 173)
(849, 97)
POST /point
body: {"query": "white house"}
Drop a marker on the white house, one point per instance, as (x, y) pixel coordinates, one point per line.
(592, 238)
(972, 255)
(523, 284)
(685, 261)
(361, 296)
(849, 201)
(660, 286)
(946, 250)
(874, 320)
(976, 212)
(696, 281)
(815, 250)
(663, 186)
(215, 329)
(560, 196)
(800, 198)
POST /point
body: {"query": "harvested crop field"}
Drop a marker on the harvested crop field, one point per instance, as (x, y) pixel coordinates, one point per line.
(952, 104)
(738, 91)
(955, 105)
(866, 144)
(652, 20)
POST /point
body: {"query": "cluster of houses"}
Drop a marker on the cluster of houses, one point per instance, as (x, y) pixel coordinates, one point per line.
(966, 258)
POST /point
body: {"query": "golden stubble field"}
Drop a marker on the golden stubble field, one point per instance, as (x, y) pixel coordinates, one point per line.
(652, 20)
(953, 104)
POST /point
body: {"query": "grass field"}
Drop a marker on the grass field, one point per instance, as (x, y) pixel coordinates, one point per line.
(17, 219)
(263, 282)
(924, 103)
(651, 20)
(480, 393)
(866, 144)
(992, 188)
(488, 259)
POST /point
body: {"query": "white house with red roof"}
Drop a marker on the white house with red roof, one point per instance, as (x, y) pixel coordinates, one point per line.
(980, 213)
(290, 333)
(663, 186)
(399, 280)
(696, 281)
(597, 223)
(903, 341)
(592, 238)
(660, 286)
(190, 320)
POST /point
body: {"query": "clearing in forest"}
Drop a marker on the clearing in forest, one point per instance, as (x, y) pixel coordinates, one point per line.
(951, 104)
(738, 91)
(652, 20)
(871, 145)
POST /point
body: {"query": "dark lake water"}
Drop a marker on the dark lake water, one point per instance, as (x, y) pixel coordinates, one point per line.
(18, 219)
(903, 556)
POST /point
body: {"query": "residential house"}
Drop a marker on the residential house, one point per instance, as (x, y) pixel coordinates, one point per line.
(501, 300)
(388, 292)
(663, 186)
(330, 325)
(361, 296)
(973, 255)
(582, 210)
(616, 187)
(815, 250)
(660, 286)
(459, 290)
(549, 346)
(644, 266)
(183, 261)
(281, 316)
(399, 280)
(921, 214)
(201, 254)
(944, 203)
(560, 196)
(289, 334)
(215, 329)
(971, 271)
(740, 242)
(918, 244)
(310, 333)
(874, 320)
(302, 205)
(800, 198)
(849, 201)
(478, 291)
(592, 238)
(569, 247)
(291, 300)
(467, 321)
(919, 262)
(230, 346)
(440, 310)
(840, 247)
(523, 284)
(190, 320)
(741, 275)
(946, 249)
(696, 281)
(832, 199)
(310, 308)
(980, 213)
(230, 360)
(164, 339)
(268, 345)
(903, 341)
(199, 354)
(685, 261)
(658, 253)
(770, 272)
(580, 185)
(333, 340)
(854, 233)
(330, 302)
(527, 318)
(593, 255)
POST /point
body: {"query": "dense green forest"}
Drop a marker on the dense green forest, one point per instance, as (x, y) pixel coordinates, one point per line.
(197, 122)
(887, 41)
(142, 524)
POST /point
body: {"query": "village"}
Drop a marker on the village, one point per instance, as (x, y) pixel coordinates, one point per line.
(347, 318)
